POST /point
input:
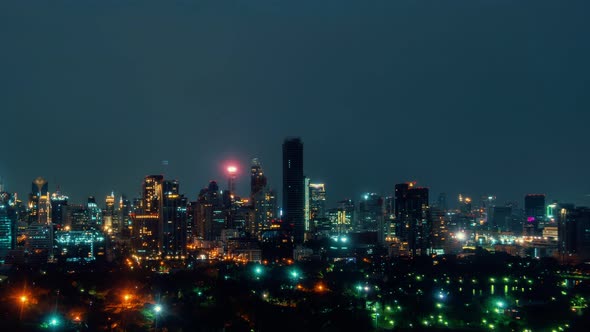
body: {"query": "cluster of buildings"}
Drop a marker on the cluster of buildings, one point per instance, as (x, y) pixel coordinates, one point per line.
(164, 224)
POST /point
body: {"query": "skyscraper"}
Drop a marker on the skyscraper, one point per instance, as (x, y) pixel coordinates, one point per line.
(109, 219)
(59, 205)
(94, 214)
(534, 209)
(7, 224)
(317, 204)
(293, 188)
(371, 213)
(39, 205)
(257, 178)
(173, 220)
(232, 172)
(306, 207)
(258, 195)
(412, 216)
(146, 218)
(574, 232)
(210, 213)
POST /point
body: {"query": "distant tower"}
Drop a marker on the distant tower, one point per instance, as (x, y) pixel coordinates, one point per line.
(59, 206)
(232, 172)
(146, 219)
(7, 224)
(257, 178)
(109, 212)
(293, 188)
(317, 204)
(39, 205)
(258, 197)
(534, 208)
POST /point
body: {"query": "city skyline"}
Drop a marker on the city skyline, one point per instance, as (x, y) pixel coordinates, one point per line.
(391, 91)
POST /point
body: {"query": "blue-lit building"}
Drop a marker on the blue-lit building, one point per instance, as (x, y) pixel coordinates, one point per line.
(78, 246)
(94, 214)
(7, 224)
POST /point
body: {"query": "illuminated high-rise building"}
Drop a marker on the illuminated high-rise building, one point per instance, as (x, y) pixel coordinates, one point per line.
(151, 193)
(59, 206)
(294, 188)
(94, 214)
(8, 232)
(259, 195)
(343, 217)
(77, 217)
(172, 232)
(109, 213)
(39, 204)
(146, 218)
(306, 207)
(412, 217)
(439, 229)
(124, 217)
(232, 173)
(317, 204)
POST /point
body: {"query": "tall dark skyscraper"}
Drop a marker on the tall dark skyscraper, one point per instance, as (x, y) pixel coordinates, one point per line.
(574, 233)
(257, 178)
(173, 220)
(534, 209)
(412, 216)
(210, 213)
(59, 205)
(371, 212)
(293, 188)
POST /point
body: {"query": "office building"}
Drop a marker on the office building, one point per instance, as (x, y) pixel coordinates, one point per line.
(573, 233)
(412, 217)
(8, 222)
(59, 207)
(172, 232)
(534, 209)
(294, 188)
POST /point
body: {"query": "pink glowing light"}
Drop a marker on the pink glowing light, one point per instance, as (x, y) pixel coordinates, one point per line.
(232, 169)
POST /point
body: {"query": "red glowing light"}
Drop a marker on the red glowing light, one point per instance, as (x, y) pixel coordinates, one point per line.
(232, 169)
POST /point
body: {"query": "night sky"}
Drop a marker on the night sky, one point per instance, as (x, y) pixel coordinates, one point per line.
(474, 96)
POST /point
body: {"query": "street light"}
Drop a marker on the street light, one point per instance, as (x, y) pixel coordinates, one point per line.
(157, 309)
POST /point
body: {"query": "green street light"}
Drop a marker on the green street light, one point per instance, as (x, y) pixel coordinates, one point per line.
(54, 321)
